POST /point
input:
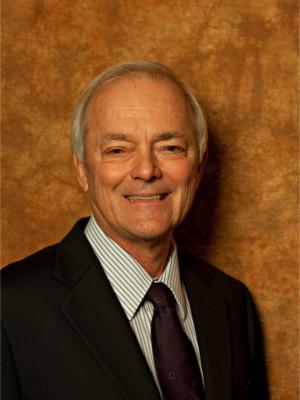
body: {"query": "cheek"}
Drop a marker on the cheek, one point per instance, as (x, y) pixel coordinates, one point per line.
(187, 182)
(183, 173)
(108, 176)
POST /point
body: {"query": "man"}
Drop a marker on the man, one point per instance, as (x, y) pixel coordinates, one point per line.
(113, 311)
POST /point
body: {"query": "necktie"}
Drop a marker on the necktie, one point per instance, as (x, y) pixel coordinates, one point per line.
(174, 357)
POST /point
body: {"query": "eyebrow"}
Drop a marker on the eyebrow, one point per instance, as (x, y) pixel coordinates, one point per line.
(169, 135)
(116, 136)
(161, 136)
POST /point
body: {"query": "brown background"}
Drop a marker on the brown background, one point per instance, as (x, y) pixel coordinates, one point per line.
(241, 59)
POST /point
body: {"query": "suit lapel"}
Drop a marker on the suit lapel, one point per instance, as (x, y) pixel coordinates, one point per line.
(96, 315)
(212, 329)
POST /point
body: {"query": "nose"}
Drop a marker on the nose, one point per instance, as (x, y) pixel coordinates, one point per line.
(146, 166)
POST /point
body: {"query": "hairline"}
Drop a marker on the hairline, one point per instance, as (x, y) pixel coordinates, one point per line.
(116, 74)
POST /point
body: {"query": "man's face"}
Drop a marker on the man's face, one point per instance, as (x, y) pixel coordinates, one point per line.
(141, 153)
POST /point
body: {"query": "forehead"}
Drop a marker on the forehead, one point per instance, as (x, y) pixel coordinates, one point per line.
(139, 97)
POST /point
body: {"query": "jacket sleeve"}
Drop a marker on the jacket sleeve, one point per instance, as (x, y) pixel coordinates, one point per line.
(259, 383)
(10, 388)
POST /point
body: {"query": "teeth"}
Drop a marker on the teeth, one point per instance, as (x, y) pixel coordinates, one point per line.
(154, 197)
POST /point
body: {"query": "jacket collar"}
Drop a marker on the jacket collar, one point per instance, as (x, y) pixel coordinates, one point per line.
(96, 315)
(124, 272)
(212, 327)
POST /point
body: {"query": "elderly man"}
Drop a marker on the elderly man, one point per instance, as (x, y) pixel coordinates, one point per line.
(113, 311)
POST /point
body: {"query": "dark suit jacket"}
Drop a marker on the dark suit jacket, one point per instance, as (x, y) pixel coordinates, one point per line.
(65, 335)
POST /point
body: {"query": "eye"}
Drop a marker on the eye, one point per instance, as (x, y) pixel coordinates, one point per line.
(174, 149)
(115, 152)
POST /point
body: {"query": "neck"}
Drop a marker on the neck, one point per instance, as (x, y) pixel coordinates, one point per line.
(152, 256)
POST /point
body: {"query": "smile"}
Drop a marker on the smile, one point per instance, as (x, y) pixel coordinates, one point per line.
(160, 196)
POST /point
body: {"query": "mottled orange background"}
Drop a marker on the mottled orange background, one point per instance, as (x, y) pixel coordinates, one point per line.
(241, 57)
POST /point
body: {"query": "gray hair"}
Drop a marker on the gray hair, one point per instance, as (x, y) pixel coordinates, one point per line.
(131, 69)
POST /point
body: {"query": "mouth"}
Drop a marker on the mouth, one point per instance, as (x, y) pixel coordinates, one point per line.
(152, 197)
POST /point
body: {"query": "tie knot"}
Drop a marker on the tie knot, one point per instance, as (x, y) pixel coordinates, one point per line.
(160, 295)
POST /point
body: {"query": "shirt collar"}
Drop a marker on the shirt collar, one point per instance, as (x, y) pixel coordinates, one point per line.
(127, 277)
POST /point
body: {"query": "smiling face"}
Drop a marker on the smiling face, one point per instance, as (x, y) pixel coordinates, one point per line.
(141, 167)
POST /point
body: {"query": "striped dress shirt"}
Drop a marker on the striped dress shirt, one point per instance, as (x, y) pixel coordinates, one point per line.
(131, 282)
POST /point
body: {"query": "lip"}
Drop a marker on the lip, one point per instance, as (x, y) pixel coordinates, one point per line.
(146, 197)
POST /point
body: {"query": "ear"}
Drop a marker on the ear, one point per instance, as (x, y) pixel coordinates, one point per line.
(202, 165)
(81, 173)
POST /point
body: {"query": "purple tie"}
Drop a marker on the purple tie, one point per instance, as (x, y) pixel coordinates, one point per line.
(175, 360)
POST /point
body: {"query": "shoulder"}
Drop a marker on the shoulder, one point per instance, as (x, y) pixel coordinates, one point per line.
(39, 264)
(200, 276)
(35, 276)
(25, 284)
(207, 272)
(208, 285)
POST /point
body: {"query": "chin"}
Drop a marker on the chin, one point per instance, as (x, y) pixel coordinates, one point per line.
(151, 234)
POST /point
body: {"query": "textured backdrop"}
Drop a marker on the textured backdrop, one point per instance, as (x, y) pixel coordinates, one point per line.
(241, 59)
